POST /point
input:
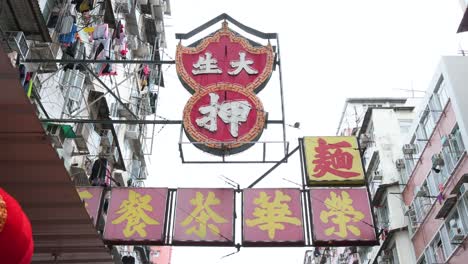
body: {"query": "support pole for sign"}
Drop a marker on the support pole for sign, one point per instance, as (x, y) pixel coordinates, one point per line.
(274, 167)
(282, 94)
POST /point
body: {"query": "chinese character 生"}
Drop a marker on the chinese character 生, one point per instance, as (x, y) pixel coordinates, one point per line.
(207, 65)
(201, 214)
(272, 215)
(134, 211)
(341, 212)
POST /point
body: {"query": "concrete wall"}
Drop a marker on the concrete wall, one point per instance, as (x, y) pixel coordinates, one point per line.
(455, 71)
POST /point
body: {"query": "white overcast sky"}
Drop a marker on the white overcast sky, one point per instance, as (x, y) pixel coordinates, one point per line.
(330, 50)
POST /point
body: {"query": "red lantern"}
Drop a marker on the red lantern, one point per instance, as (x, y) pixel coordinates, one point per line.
(16, 243)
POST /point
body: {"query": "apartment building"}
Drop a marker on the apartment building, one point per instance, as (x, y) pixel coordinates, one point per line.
(436, 168)
(91, 110)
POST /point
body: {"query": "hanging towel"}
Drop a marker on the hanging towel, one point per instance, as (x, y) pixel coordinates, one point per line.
(67, 24)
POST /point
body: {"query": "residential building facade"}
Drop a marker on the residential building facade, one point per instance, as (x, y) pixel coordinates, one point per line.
(80, 101)
(380, 124)
(437, 169)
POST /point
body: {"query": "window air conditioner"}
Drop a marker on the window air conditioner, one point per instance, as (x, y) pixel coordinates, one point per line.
(400, 164)
(377, 175)
(56, 134)
(458, 235)
(15, 40)
(408, 149)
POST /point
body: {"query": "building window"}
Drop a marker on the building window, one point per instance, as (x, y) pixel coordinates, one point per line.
(422, 201)
(405, 125)
(455, 229)
(421, 138)
(427, 124)
(441, 92)
(437, 250)
(452, 150)
(382, 215)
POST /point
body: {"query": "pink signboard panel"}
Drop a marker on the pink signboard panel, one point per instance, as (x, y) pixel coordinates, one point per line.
(136, 215)
(272, 216)
(342, 217)
(91, 197)
(204, 216)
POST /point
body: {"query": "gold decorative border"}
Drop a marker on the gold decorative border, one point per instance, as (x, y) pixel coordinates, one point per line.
(3, 213)
(224, 31)
(196, 136)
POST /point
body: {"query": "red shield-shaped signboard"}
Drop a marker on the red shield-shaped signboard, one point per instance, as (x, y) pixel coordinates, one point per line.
(204, 217)
(224, 71)
(342, 217)
(136, 216)
(91, 197)
(224, 57)
(272, 217)
(224, 117)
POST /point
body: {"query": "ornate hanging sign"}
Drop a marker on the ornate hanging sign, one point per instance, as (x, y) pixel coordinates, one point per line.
(333, 161)
(224, 72)
(225, 57)
(342, 216)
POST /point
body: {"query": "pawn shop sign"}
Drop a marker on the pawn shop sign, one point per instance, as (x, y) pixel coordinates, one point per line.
(224, 72)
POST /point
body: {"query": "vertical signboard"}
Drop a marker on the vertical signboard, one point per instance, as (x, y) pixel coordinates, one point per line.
(136, 215)
(224, 72)
(204, 217)
(342, 217)
(91, 197)
(272, 217)
(332, 161)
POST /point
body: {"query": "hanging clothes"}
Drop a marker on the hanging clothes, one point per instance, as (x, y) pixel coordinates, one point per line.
(100, 32)
(67, 24)
(69, 38)
(99, 172)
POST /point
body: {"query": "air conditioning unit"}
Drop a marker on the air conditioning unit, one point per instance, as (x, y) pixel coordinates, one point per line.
(457, 237)
(16, 41)
(82, 132)
(56, 134)
(400, 164)
(408, 149)
(377, 175)
(437, 160)
(106, 137)
(132, 131)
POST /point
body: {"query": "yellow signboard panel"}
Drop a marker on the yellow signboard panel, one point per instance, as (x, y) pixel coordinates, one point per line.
(332, 161)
